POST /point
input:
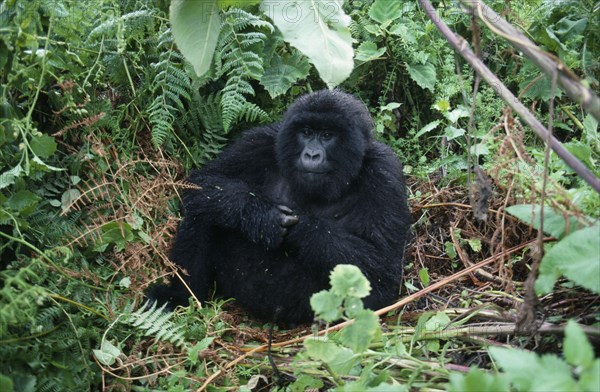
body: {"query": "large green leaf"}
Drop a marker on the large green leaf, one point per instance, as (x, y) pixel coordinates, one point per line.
(348, 281)
(326, 305)
(359, 335)
(283, 72)
(554, 223)
(576, 348)
(43, 145)
(108, 353)
(551, 372)
(368, 51)
(385, 11)
(476, 380)
(24, 202)
(8, 177)
(196, 25)
(340, 359)
(423, 74)
(576, 257)
(319, 29)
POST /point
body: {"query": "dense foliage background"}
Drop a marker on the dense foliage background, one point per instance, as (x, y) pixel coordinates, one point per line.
(101, 117)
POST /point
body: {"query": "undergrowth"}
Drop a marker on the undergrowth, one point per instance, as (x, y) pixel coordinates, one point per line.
(101, 117)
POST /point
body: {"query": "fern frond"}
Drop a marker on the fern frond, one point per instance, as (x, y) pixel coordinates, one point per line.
(132, 25)
(237, 59)
(161, 118)
(155, 322)
(172, 87)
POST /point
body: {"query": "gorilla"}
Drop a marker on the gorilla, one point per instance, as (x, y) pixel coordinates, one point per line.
(278, 209)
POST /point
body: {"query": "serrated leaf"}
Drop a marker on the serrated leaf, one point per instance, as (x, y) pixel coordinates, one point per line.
(24, 202)
(475, 244)
(552, 373)
(8, 177)
(323, 349)
(283, 72)
(118, 233)
(518, 365)
(576, 257)
(107, 354)
(353, 306)
(326, 305)
(428, 128)
(401, 29)
(454, 115)
(43, 145)
(582, 151)
(340, 359)
(44, 165)
(590, 124)
(200, 346)
(196, 25)
(319, 29)
(576, 348)
(385, 11)
(477, 380)
(348, 280)
(589, 380)
(453, 132)
(554, 223)
(423, 74)
(368, 51)
(437, 322)
(479, 149)
(359, 335)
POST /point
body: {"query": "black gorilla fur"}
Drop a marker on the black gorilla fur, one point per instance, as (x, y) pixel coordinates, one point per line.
(268, 229)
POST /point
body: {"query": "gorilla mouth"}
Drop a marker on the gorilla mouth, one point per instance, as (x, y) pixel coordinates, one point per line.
(313, 172)
(312, 177)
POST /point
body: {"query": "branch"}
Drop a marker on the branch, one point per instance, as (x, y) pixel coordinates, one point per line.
(547, 62)
(462, 47)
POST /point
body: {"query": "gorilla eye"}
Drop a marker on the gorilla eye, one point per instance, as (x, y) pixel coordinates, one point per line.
(327, 135)
(307, 132)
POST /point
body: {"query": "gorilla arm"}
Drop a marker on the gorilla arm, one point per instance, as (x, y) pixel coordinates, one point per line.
(322, 243)
(372, 235)
(230, 191)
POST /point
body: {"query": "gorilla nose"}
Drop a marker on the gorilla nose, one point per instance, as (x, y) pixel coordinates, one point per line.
(312, 159)
(312, 156)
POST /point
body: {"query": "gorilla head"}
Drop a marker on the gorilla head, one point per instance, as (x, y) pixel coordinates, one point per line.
(322, 142)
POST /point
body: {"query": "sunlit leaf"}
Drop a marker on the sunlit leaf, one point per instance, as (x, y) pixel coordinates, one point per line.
(196, 25)
(319, 29)
(423, 74)
(348, 280)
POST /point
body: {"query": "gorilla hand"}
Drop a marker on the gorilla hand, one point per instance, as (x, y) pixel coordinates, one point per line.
(270, 227)
(288, 219)
(287, 215)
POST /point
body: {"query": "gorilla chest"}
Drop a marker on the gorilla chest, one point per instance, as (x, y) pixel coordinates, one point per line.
(278, 190)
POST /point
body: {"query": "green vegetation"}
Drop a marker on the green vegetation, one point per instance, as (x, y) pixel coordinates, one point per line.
(104, 107)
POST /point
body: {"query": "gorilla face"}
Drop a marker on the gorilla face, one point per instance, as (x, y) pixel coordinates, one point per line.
(322, 143)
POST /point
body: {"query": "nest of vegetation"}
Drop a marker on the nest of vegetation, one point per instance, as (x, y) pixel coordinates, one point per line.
(450, 233)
